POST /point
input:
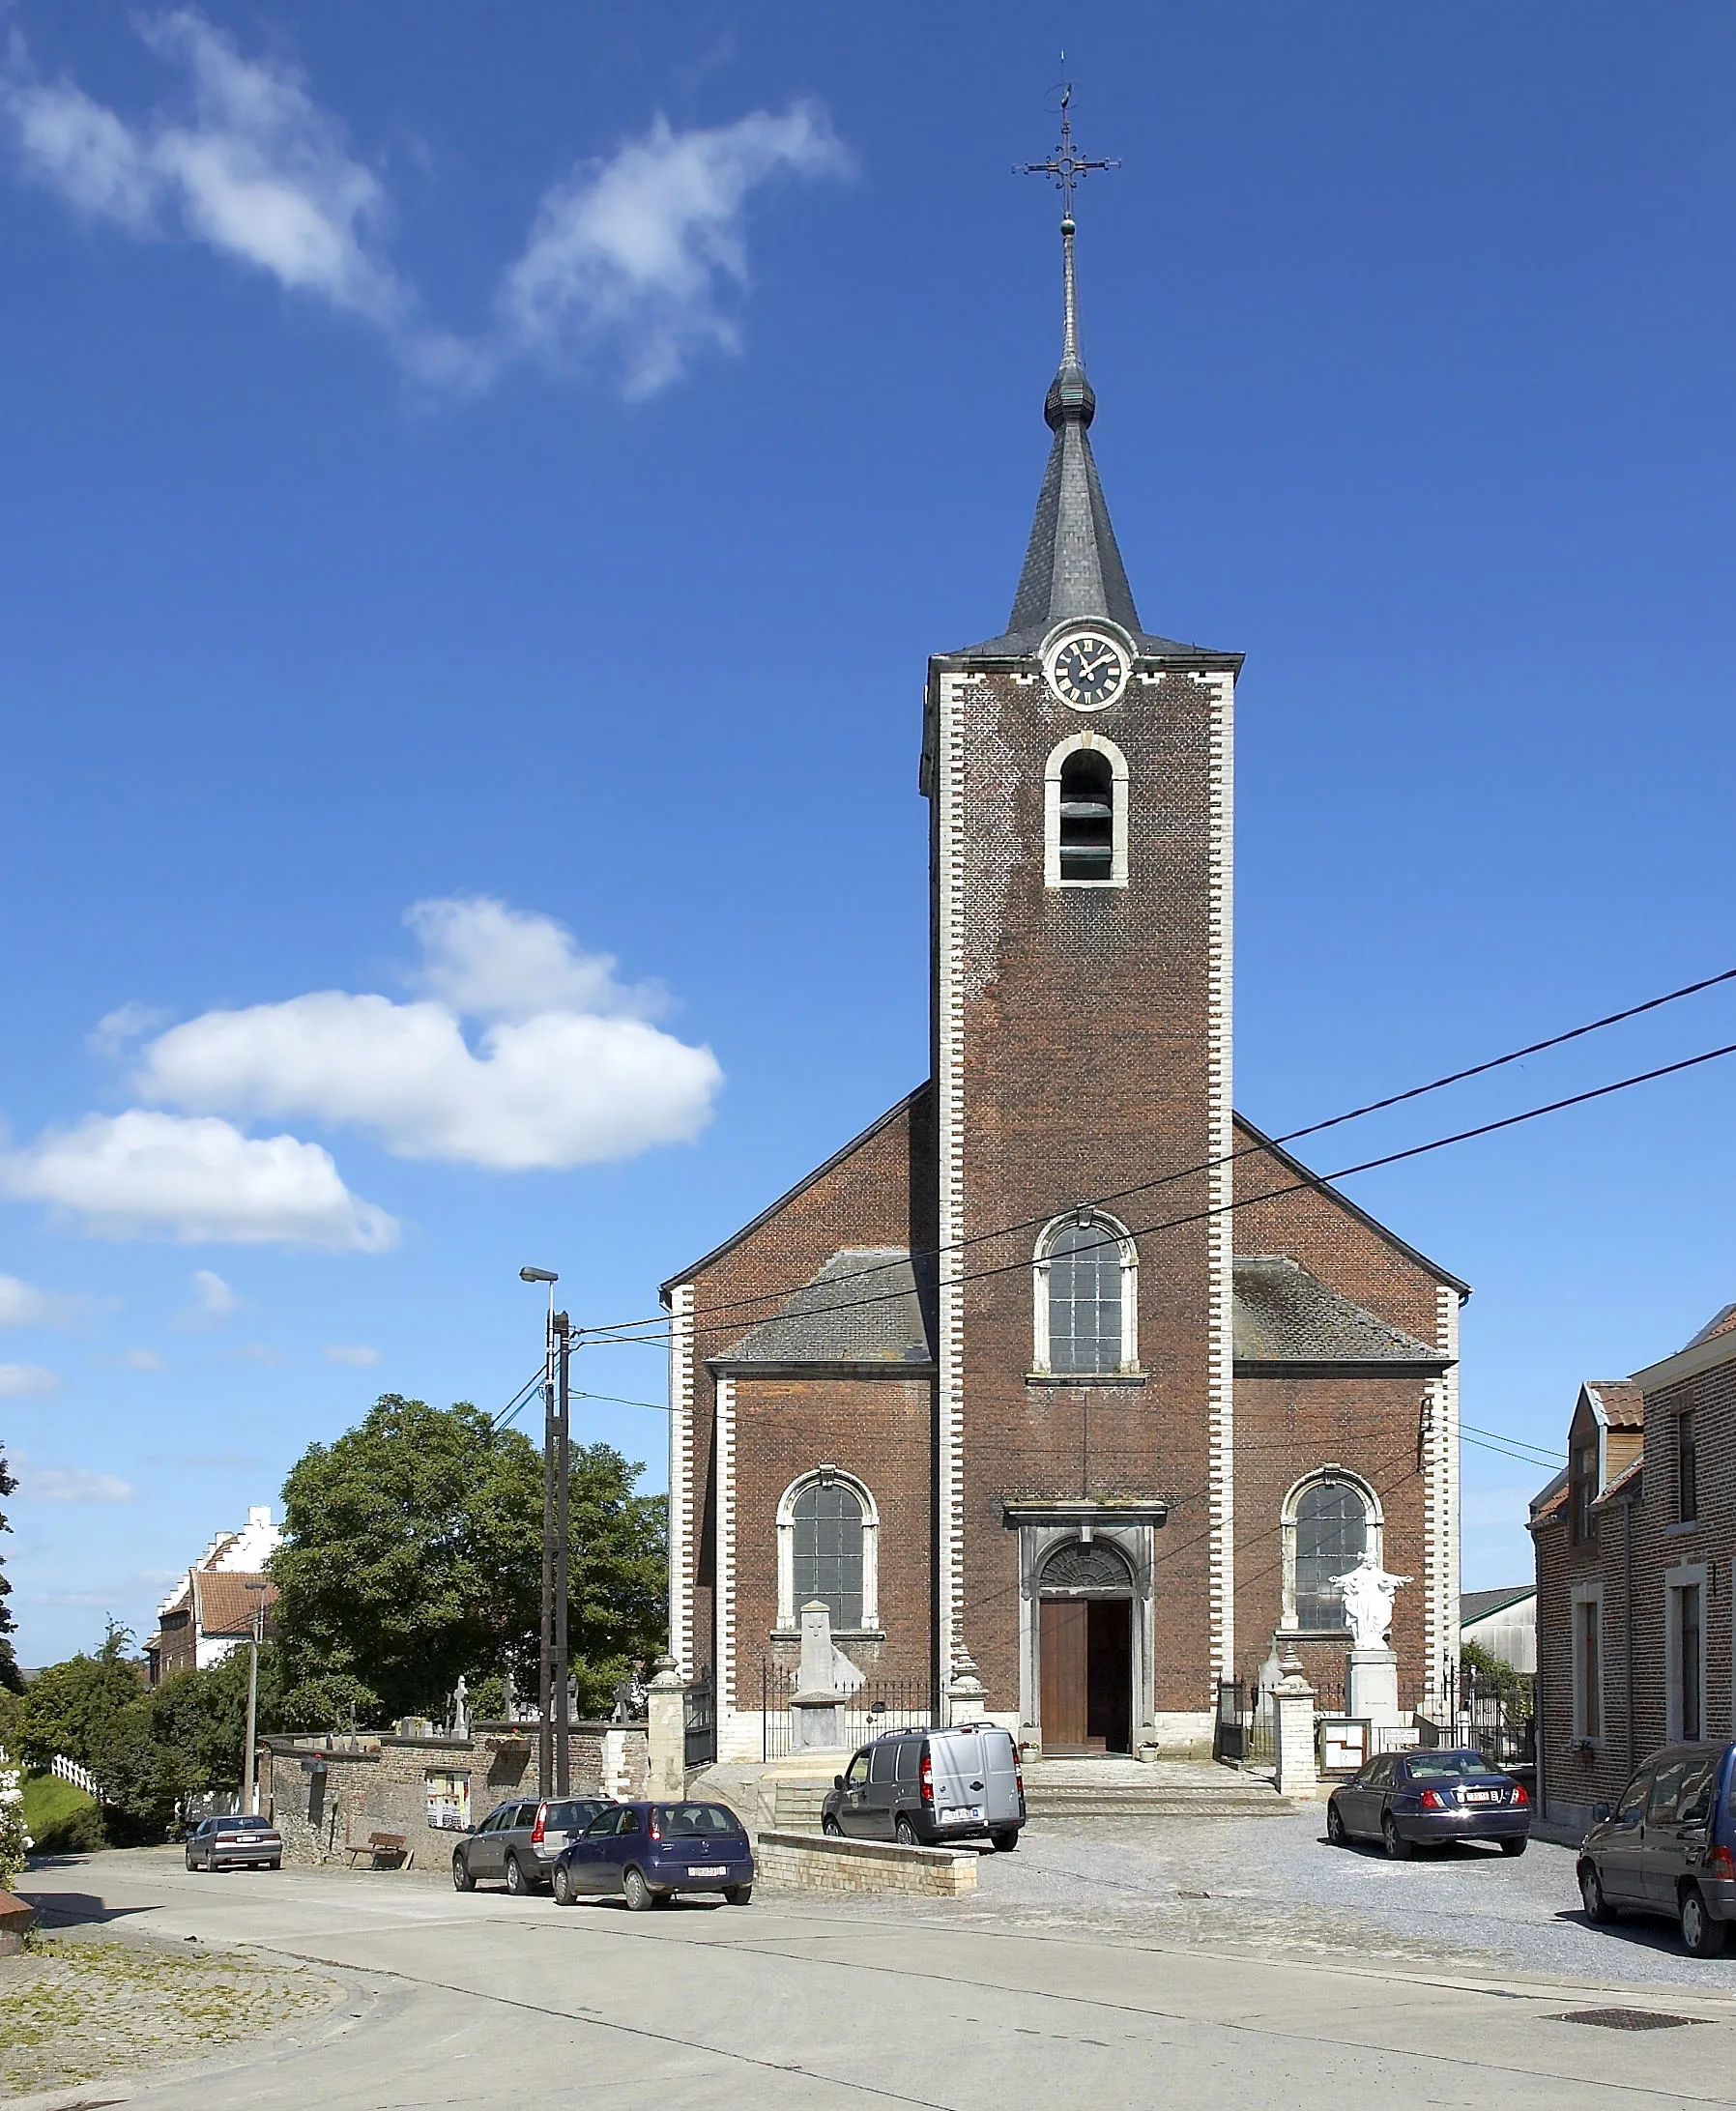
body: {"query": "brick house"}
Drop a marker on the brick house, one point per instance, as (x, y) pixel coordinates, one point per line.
(1635, 1541)
(211, 1609)
(996, 1381)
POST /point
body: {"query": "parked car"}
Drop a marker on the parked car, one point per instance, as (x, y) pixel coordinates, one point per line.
(235, 1843)
(647, 1852)
(519, 1842)
(920, 1787)
(1669, 1846)
(1425, 1799)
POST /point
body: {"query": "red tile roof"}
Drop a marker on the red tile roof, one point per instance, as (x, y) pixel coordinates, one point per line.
(1622, 1402)
(223, 1605)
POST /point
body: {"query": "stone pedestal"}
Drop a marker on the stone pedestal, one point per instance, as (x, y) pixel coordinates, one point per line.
(666, 1732)
(1372, 1686)
(1292, 1726)
(964, 1692)
(816, 1722)
(816, 1707)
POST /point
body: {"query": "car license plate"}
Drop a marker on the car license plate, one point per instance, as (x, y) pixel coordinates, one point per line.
(1482, 1795)
(962, 1814)
(701, 1868)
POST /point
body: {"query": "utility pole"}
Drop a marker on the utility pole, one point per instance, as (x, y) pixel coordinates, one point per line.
(249, 1792)
(545, 1741)
(563, 1338)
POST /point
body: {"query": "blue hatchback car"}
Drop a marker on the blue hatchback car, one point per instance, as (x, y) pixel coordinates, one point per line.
(647, 1852)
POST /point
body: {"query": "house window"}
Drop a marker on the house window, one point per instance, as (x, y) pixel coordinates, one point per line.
(1588, 1668)
(1085, 821)
(1330, 1535)
(1687, 1479)
(827, 1548)
(1584, 1479)
(1085, 1298)
(1685, 1663)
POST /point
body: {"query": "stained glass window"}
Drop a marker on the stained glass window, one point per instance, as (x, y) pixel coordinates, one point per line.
(827, 1550)
(1332, 1535)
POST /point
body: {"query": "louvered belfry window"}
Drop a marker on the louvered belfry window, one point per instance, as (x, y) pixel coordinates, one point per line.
(1087, 817)
(827, 1550)
(1084, 1299)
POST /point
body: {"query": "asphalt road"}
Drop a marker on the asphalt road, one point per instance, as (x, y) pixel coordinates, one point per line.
(485, 2002)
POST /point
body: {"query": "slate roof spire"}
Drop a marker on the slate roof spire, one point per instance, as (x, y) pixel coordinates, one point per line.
(1072, 565)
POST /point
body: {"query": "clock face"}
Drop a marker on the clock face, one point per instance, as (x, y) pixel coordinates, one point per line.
(1088, 671)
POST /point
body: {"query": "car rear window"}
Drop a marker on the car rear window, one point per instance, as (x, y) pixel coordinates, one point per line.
(699, 1821)
(1447, 1765)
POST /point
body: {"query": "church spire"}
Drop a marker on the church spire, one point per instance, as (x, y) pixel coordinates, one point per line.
(1072, 565)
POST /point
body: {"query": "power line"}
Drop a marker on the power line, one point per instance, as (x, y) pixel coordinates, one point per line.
(1291, 1136)
(664, 1323)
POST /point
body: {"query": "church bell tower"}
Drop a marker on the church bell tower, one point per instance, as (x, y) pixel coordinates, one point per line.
(1079, 774)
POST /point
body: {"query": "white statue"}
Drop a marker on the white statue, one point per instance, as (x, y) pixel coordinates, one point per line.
(1368, 1591)
(461, 1709)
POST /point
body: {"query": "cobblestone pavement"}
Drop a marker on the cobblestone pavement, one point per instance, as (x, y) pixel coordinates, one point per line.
(1267, 1886)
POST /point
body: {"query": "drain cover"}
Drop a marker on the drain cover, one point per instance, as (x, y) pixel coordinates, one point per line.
(1627, 2019)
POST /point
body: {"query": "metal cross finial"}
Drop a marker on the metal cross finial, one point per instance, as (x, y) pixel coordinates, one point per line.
(1064, 165)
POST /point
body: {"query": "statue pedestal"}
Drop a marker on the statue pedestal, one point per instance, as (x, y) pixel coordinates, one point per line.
(1371, 1685)
(817, 1722)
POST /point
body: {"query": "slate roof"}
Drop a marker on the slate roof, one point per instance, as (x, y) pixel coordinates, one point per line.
(1622, 1402)
(1072, 563)
(1285, 1317)
(863, 1308)
(1474, 1606)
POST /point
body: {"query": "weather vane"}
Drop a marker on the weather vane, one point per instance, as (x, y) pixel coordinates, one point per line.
(1064, 165)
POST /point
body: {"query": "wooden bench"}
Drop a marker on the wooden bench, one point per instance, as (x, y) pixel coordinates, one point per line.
(378, 1844)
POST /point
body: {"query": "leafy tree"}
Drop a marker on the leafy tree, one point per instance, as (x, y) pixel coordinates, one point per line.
(413, 1557)
(69, 1707)
(202, 1715)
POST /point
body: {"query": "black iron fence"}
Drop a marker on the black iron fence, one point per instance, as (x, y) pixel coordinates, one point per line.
(701, 1721)
(876, 1706)
(1245, 1730)
(1496, 1714)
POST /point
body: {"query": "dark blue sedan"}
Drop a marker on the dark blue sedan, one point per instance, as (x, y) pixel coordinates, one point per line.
(647, 1852)
(1425, 1799)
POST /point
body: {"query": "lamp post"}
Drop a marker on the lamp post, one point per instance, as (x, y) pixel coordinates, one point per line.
(553, 1581)
(249, 1793)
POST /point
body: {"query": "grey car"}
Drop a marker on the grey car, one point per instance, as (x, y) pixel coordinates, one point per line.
(519, 1842)
(924, 1787)
(1669, 1846)
(235, 1843)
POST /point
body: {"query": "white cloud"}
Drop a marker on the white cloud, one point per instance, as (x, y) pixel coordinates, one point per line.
(117, 1030)
(548, 1084)
(143, 1174)
(27, 1381)
(351, 1352)
(142, 1359)
(639, 255)
(68, 1483)
(648, 247)
(212, 1295)
(23, 1306)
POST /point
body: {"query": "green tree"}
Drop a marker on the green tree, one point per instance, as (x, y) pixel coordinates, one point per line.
(202, 1715)
(69, 1707)
(413, 1557)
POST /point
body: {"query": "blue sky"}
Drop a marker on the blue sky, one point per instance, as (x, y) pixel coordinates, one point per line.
(481, 487)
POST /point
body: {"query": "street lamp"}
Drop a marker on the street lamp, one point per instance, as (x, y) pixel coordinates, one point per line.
(249, 1794)
(553, 1749)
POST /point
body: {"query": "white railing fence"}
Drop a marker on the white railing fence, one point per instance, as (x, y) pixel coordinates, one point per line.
(69, 1770)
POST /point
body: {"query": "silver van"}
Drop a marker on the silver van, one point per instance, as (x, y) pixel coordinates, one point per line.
(923, 1788)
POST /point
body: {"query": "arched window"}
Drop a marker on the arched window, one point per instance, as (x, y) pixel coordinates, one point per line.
(1331, 1519)
(1087, 816)
(828, 1531)
(1087, 1305)
(1085, 813)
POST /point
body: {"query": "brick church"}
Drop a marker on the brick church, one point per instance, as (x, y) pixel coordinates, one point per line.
(1061, 1380)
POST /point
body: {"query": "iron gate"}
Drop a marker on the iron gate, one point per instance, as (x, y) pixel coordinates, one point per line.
(701, 1720)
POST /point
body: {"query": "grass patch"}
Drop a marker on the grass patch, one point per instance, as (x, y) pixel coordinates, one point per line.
(61, 1820)
(71, 2010)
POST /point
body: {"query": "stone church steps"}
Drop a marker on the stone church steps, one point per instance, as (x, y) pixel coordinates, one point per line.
(1234, 1797)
